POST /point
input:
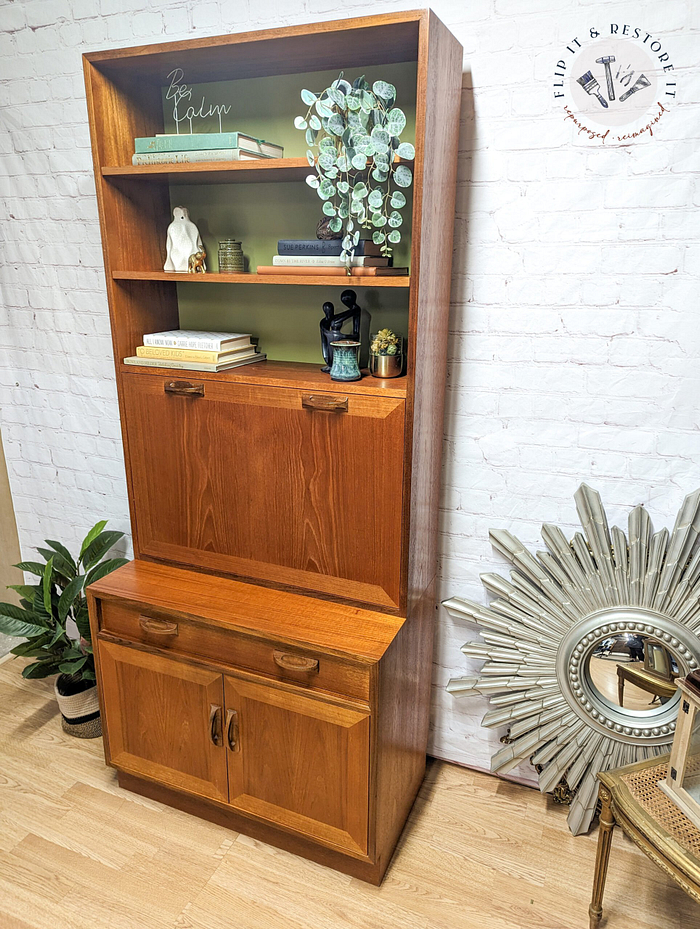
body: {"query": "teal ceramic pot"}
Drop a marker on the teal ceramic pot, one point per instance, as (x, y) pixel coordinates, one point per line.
(345, 366)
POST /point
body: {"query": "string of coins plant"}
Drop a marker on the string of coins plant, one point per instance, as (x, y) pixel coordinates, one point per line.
(356, 131)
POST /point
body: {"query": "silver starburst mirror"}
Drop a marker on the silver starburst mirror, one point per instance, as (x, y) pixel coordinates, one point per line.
(583, 646)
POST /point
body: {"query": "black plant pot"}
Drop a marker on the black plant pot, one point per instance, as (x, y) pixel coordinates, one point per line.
(79, 706)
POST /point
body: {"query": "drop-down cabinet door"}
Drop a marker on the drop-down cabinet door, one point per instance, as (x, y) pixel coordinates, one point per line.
(269, 483)
(298, 761)
(163, 719)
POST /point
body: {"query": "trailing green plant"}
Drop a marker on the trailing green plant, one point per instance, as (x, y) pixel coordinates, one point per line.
(356, 131)
(48, 607)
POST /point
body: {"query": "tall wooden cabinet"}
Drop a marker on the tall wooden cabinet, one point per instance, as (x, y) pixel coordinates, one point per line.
(266, 659)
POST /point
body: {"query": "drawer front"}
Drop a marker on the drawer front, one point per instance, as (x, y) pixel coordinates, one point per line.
(302, 490)
(308, 669)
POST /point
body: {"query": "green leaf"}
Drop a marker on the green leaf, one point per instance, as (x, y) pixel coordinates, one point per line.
(380, 136)
(343, 187)
(326, 160)
(395, 219)
(310, 136)
(375, 198)
(69, 595)
(343, 210)
(326, 189)
(99, 547)
(60, 633)
(314, 122)
(300, 122)
(403, 176)
(327, 144)
(71, 667)
(48, 586)
(359, 161)
(354, 101)
(308, 97)
(325, 112)
(62, 550)
(337, 96)
(359, 191)
(312, 180)
(336, 124)
(384, 90)
(31, 567)
(397, 200)
(20, 628)
(406, 150)
(329, 208)
(380, 175)
(396, 121)
(378, 220)
(89, 676)
(378, 237)
(92, 535)
(394, 236)
(34, 648)
(102, 570)
(25, 591)
(82, 621)
(65, 568)
(41, 669)
(336, 224)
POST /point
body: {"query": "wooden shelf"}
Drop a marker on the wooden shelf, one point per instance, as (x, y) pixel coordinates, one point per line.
(321, 280)
(294, 374)
(215, 172)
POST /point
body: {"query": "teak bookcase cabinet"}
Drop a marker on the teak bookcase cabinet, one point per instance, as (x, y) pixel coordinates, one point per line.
(266, 659)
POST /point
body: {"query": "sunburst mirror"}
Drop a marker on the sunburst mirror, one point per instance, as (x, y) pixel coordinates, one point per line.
(583, 646)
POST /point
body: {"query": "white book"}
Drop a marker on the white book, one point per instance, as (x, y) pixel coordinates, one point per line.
(200, 341)
(328, 261)
(137, 361)
(175, 158)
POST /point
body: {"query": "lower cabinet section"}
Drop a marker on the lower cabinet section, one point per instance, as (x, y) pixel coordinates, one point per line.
(292, 759)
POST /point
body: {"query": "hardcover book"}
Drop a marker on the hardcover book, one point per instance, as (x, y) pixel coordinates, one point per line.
(324, 247)
(329, 261)
(202, 341)
(174, 158)
(191, 354)
(335, 272)
(194, 365)
(207, 140)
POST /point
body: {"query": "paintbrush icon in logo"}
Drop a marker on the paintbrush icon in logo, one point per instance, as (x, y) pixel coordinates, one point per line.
(592, 87)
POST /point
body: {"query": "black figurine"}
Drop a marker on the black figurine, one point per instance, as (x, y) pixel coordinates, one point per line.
(332, 324)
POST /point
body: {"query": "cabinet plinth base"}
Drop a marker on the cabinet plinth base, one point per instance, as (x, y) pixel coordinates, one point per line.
(364, 870)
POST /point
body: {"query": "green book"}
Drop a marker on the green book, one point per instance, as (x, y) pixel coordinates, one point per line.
(201, 141)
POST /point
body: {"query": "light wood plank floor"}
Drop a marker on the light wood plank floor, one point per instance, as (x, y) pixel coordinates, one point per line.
(76, 852)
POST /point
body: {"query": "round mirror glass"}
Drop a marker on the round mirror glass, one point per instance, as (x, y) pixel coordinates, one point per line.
(633, 671)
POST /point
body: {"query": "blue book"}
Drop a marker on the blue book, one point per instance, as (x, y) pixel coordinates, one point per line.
(325, 247)
(201, 141)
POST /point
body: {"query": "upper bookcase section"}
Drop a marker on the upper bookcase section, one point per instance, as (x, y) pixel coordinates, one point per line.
(126, 84)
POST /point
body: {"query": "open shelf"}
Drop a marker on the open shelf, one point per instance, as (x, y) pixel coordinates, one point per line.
(294, 374)
(313, 280)
(216, 172)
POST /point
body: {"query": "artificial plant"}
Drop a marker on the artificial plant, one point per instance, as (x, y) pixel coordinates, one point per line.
(356, 131)
(385, 342)
(50, 607)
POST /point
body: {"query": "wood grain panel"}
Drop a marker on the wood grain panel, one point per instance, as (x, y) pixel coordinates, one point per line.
(156, 711)
(302, 763)
(245, 480)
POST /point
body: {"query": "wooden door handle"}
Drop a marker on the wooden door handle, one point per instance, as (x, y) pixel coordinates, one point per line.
(215, 723)
(295, 662)
(161, 628)
(184, 388)
(232, 731)
(321, 402)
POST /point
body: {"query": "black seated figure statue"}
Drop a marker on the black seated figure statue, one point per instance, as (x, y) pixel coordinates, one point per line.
(332, 324)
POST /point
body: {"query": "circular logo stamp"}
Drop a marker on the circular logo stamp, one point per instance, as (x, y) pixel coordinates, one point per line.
(616, 84)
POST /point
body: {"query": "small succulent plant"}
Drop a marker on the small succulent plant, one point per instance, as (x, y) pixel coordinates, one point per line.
(353, 132)
(385, 342)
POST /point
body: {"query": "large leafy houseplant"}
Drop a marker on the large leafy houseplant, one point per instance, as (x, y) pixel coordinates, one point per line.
(53, 615)
(355, 130)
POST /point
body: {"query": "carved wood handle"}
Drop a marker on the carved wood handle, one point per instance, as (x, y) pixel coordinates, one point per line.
(232, 731)
(320, 402)
(184, 388)
(162, 628)
(215, 724)
(295, 662)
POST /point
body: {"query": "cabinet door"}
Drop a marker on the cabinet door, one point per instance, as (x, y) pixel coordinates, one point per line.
(164, 719)
(299, 762)
(263, 482)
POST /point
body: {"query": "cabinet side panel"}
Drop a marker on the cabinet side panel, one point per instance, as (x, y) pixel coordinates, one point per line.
(437, 132)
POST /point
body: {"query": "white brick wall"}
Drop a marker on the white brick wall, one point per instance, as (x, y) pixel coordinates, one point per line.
(574, 329)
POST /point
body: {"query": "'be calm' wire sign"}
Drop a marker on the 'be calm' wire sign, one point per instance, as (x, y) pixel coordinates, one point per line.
(179, 91)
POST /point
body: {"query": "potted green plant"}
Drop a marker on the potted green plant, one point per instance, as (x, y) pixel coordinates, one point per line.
(53, 619)
(385, 354)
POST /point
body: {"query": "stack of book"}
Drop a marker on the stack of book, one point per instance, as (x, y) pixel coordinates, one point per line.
(202, 146)
(191, 350)
(322, 256)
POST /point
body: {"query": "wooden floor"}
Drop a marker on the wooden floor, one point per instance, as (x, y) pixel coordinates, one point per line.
(76, 852)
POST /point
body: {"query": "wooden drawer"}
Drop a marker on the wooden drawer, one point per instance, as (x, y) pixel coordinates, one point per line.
(316, 671)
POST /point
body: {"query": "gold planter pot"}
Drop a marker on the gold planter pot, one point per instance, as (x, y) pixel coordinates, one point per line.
(386, 365)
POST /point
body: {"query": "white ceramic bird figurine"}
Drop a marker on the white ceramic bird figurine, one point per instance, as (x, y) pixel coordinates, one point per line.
(183, 240)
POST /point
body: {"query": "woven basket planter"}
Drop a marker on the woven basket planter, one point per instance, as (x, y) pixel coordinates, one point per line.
(80, 712)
